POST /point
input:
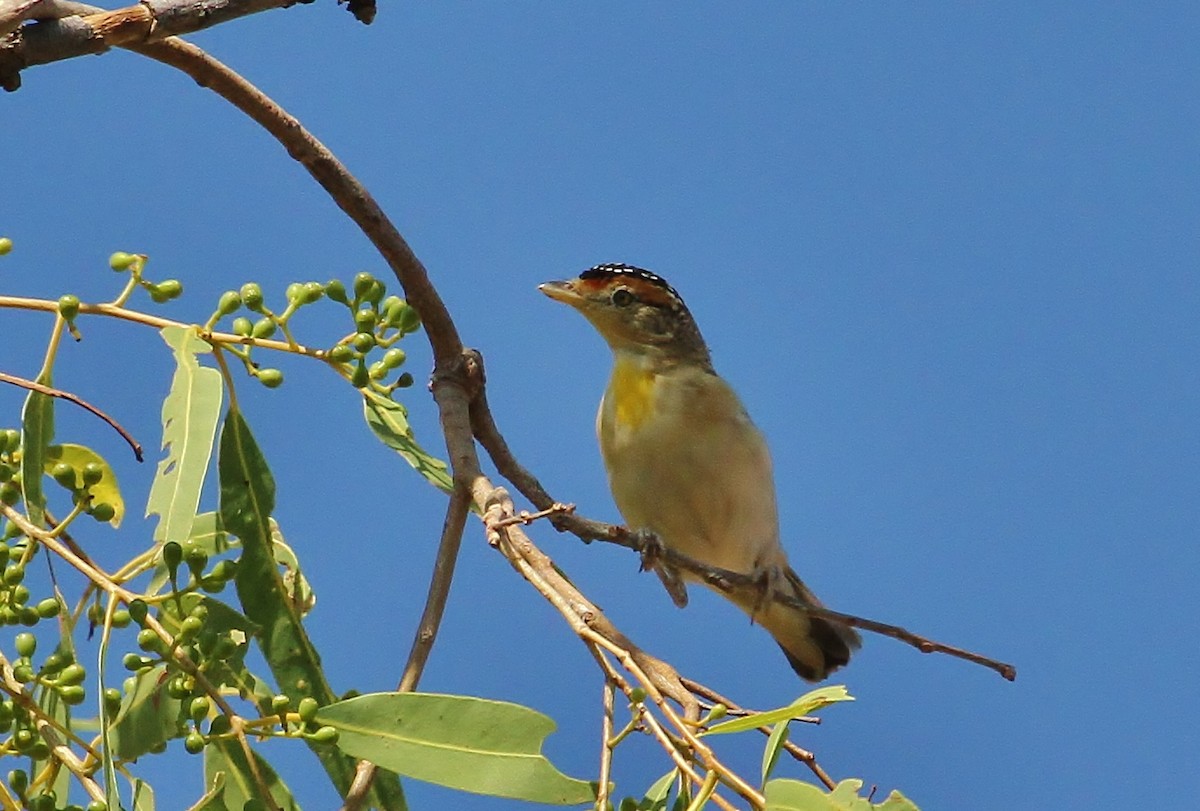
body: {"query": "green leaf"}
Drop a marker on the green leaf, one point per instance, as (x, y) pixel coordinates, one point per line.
(225, 756)
(775, 742)
(794, 795)
(37, 431)
(56, 709)
(389, 421)
(212, 800)
(246, 501)
(106, 491)
(189, 419)
(148, 716)
(143, 795)
(656, 796)
(470, 744)
(805, 705)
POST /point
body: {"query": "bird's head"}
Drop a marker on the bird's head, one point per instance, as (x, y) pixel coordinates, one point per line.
(634, 310)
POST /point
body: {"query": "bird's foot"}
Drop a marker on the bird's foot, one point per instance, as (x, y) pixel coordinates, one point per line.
(652, 552)
(768, 581)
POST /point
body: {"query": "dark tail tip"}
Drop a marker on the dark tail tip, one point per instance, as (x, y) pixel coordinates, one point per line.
(835, 643)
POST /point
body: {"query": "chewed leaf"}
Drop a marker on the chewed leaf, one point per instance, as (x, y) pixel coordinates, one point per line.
(471, 744)
(106, 491)
(794, 795)
(389, 421)
(189, 419)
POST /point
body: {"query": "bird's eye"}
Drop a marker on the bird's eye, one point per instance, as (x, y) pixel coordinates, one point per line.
(622, 297)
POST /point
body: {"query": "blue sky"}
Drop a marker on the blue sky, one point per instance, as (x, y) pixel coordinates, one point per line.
(948, 255)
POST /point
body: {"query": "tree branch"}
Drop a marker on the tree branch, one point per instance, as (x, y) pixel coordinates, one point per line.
(71, 398)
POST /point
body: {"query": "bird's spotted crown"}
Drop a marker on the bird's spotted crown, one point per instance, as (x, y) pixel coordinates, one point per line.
(618, 270)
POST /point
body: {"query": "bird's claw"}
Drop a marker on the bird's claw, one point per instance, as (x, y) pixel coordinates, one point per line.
(652, 552)
(767, 583)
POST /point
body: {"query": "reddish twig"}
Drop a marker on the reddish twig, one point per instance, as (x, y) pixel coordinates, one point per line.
(66, 395)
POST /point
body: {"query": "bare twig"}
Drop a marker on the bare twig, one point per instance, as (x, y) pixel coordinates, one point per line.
(606, 746)
(49, 391)
(435, 605)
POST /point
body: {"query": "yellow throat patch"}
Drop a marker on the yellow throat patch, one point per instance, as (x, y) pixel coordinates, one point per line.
(631, 393)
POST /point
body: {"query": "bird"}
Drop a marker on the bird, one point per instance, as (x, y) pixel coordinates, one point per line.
(685, 463)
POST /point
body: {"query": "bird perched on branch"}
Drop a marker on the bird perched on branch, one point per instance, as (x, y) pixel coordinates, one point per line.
(686, 463)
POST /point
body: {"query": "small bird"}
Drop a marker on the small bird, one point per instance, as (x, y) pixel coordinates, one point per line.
(684, 460)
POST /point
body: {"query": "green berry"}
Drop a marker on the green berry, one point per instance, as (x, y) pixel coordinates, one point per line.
(178, 688)
(18, 780)
(229, 302)
(25, 644)
(364, 341)
(12, 439)
(324, 735)
(121, 261)
(103, 512)
(156, 294)
(360, 377)
(194, 743)
(173, 289)
(197, 559)
(409, 320)
(68, 307)
(131, 661)
(19, 594)
(64, 474)
(336, 290)
(72, 674)
(377, 371)
(307, 709)
(28, 616)
(252, 297)
(6, 245)
(14, 574)
(112, 701)
(190, 627)
(224, 570)
(242, 326)
(199, 707)
(137, 611)
(295, 292)
(365, 320)
(362, 284)
(73, 694)
(271, 378)
(390, 305)
(263, 328)
(97, 805)
(393, 357)
(280, 703)
(342, 353)
(5, 551)
(313, 291)
(200, 610)
(148, 640)
(49, 607)
(172, 554)
(93, 473)
(375, 293)
(23, 673)
(10, 493)
(121, 617)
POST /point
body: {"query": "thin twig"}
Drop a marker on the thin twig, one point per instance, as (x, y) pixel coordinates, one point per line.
(435, 604)
(50, 391)
(606, 746)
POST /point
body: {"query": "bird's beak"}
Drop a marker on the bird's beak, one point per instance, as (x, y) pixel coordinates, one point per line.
(562, 291)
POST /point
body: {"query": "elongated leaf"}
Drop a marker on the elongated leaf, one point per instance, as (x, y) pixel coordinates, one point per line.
(106, 491)
(247, 499)
(143, 795)
(189, 419)
(37, 432)
(54, 707)
(655, 798)
(148, 716)
(794, 795)
(225, 757)
(808, 703)
(212, 800)
(471, 744)
(389, 421)
(775, 742)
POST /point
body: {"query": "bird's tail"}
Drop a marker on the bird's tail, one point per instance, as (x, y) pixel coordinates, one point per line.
(814, 647)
